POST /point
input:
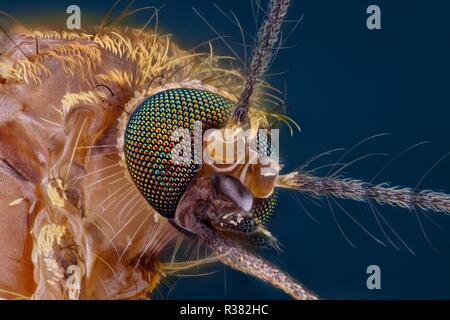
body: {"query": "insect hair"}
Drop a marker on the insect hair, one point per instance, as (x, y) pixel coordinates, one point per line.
(152, 57)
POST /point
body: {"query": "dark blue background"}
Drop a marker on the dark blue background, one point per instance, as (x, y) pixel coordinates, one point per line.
(345, 83)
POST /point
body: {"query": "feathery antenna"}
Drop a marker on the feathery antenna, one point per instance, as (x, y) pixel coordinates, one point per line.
(361, 191)
(267, 38)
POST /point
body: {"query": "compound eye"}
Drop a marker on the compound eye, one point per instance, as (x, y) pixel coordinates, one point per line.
(152, 134)
(262, 212)
(264, 209)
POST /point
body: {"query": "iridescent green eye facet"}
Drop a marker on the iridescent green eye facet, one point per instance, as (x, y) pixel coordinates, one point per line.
(148, 146)
(264, 209)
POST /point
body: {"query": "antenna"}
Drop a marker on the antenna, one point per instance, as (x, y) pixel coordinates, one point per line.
(262, 55)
